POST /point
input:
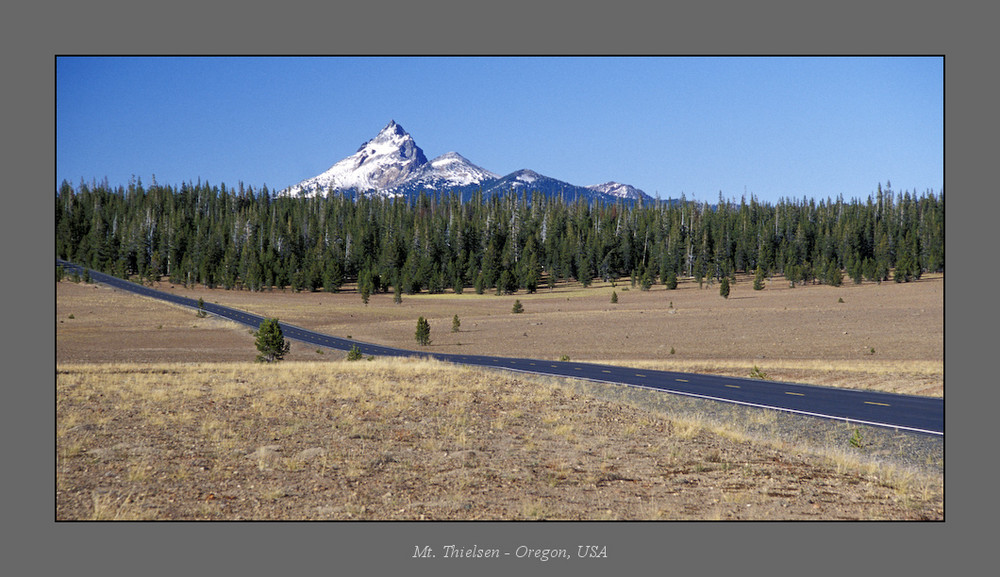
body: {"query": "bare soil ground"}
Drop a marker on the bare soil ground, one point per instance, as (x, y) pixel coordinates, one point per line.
(163, 415)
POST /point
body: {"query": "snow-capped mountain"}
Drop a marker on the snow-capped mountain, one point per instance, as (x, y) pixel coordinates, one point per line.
(392, 164)
(619, 190)
(384, 162)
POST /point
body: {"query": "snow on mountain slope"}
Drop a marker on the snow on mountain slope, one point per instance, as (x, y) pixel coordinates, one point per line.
(619, 190)
(384, 162)
(453, 169)
(391, 164)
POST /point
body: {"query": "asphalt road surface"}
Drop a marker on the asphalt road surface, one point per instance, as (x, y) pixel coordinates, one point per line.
(904, 412)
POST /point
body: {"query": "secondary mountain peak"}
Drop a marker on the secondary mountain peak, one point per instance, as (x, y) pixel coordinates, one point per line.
(619, 190)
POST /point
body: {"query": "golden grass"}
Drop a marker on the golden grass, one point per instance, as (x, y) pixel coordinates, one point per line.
(906, 377)
(367, 439)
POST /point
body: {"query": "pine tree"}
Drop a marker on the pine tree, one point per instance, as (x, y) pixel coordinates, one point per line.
(455, 324)
(614, 297)
(365, 284)
(834, 277)
(517, 308)
(271, 342)
(724, 287)
(671, 280)
(646, 282)
(507, 283)
(423, 334)
(758, 279)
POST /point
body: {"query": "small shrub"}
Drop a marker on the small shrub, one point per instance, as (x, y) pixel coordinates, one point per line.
(455, 324)
(840, 300)
(517, 308)
(354, 354)
(856, 441)
(672, 351)
(71, 316)
(614, 297)
(564, 358)
(756, 373)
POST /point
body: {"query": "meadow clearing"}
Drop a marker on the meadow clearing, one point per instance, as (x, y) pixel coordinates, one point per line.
(164, 415)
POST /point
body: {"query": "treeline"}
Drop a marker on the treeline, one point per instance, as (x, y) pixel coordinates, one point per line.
(250, 239)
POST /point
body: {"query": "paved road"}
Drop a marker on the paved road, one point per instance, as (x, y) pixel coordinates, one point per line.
(905, 412)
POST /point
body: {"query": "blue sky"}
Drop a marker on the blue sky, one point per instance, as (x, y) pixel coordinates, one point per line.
(771, 127)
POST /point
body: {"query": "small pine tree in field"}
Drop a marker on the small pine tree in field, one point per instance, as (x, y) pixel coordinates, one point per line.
(271, 342)
(724, 287)
(423, 334)
(455, 324)
(758, 279)
(614, 297)
(517, 308)
(354, 354)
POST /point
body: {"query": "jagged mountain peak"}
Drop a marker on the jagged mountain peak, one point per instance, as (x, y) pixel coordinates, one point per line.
(392, 131)
(392, 164)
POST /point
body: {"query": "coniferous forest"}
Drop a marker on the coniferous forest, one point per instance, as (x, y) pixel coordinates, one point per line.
(253, 240)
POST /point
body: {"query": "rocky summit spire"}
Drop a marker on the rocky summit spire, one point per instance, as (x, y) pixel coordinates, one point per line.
(392, 129)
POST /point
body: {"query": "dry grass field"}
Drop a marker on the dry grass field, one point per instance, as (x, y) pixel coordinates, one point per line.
(164, 415)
